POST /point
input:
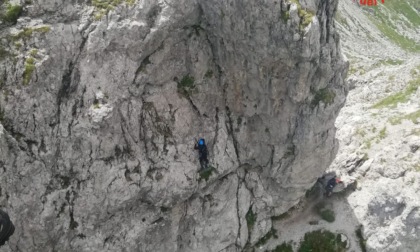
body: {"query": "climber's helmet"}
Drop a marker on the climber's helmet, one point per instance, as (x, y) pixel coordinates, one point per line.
(201, 142)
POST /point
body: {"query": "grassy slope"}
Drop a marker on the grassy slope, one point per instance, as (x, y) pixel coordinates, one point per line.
(400, 97)
(385, 16)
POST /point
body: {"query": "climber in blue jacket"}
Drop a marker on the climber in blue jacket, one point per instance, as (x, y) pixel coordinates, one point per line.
(200, 145)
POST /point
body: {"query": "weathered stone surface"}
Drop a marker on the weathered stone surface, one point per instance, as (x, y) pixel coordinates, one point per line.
(380, 153)
(97, 149)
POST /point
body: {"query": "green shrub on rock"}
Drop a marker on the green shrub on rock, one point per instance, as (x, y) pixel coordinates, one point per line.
(327, 215)
(325, 95)
(322, 241)
(285, 247)
(12, 14)
(186, 86)
(251, 218)
(29, 68)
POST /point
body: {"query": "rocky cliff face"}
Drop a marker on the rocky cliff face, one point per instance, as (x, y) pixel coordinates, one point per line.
(379, 129)
(101, 101)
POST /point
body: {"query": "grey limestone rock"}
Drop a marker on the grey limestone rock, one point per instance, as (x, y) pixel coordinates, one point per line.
(97, 139)
(382, 155)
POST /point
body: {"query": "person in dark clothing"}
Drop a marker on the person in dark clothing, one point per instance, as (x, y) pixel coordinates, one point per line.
(331, 184)
(6, 228)
(200, 145)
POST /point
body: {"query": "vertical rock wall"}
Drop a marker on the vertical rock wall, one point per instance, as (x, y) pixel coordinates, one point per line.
(97, 141)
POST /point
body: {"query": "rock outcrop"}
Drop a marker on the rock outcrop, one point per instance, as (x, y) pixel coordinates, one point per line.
(100, 106)
(379, 140)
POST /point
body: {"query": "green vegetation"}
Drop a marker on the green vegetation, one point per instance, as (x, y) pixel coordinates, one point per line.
(1, 115)
(400, 97)
(416, 167)
(361, 132)
(206, 173)
(417, 68)
(27, 32)
(33, 52)
(285, 15)
(290, 152)
(266, 237)
(104, 6)
(322, 241)
(110, 4)
(414, 117)
(29, 68)
(325, 95)
(383, 22)
(415, 132)
(305, 15)
(368, 143)
(394, 62)
(281, 216)
(12, 13)
(415, 4)
(208, 74)
(18, 45)
(341, 19)
(382, 133)
(251, 218)
(362, 241)
(96, 104)
(415, 71)
(404, 8)
(3, 53)
(285, 247)
(388, 62)
(186, 86)
(325, 213)
(305, 18)
(43, 29)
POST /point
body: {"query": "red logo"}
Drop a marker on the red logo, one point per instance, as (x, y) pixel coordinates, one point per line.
(370, 2)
